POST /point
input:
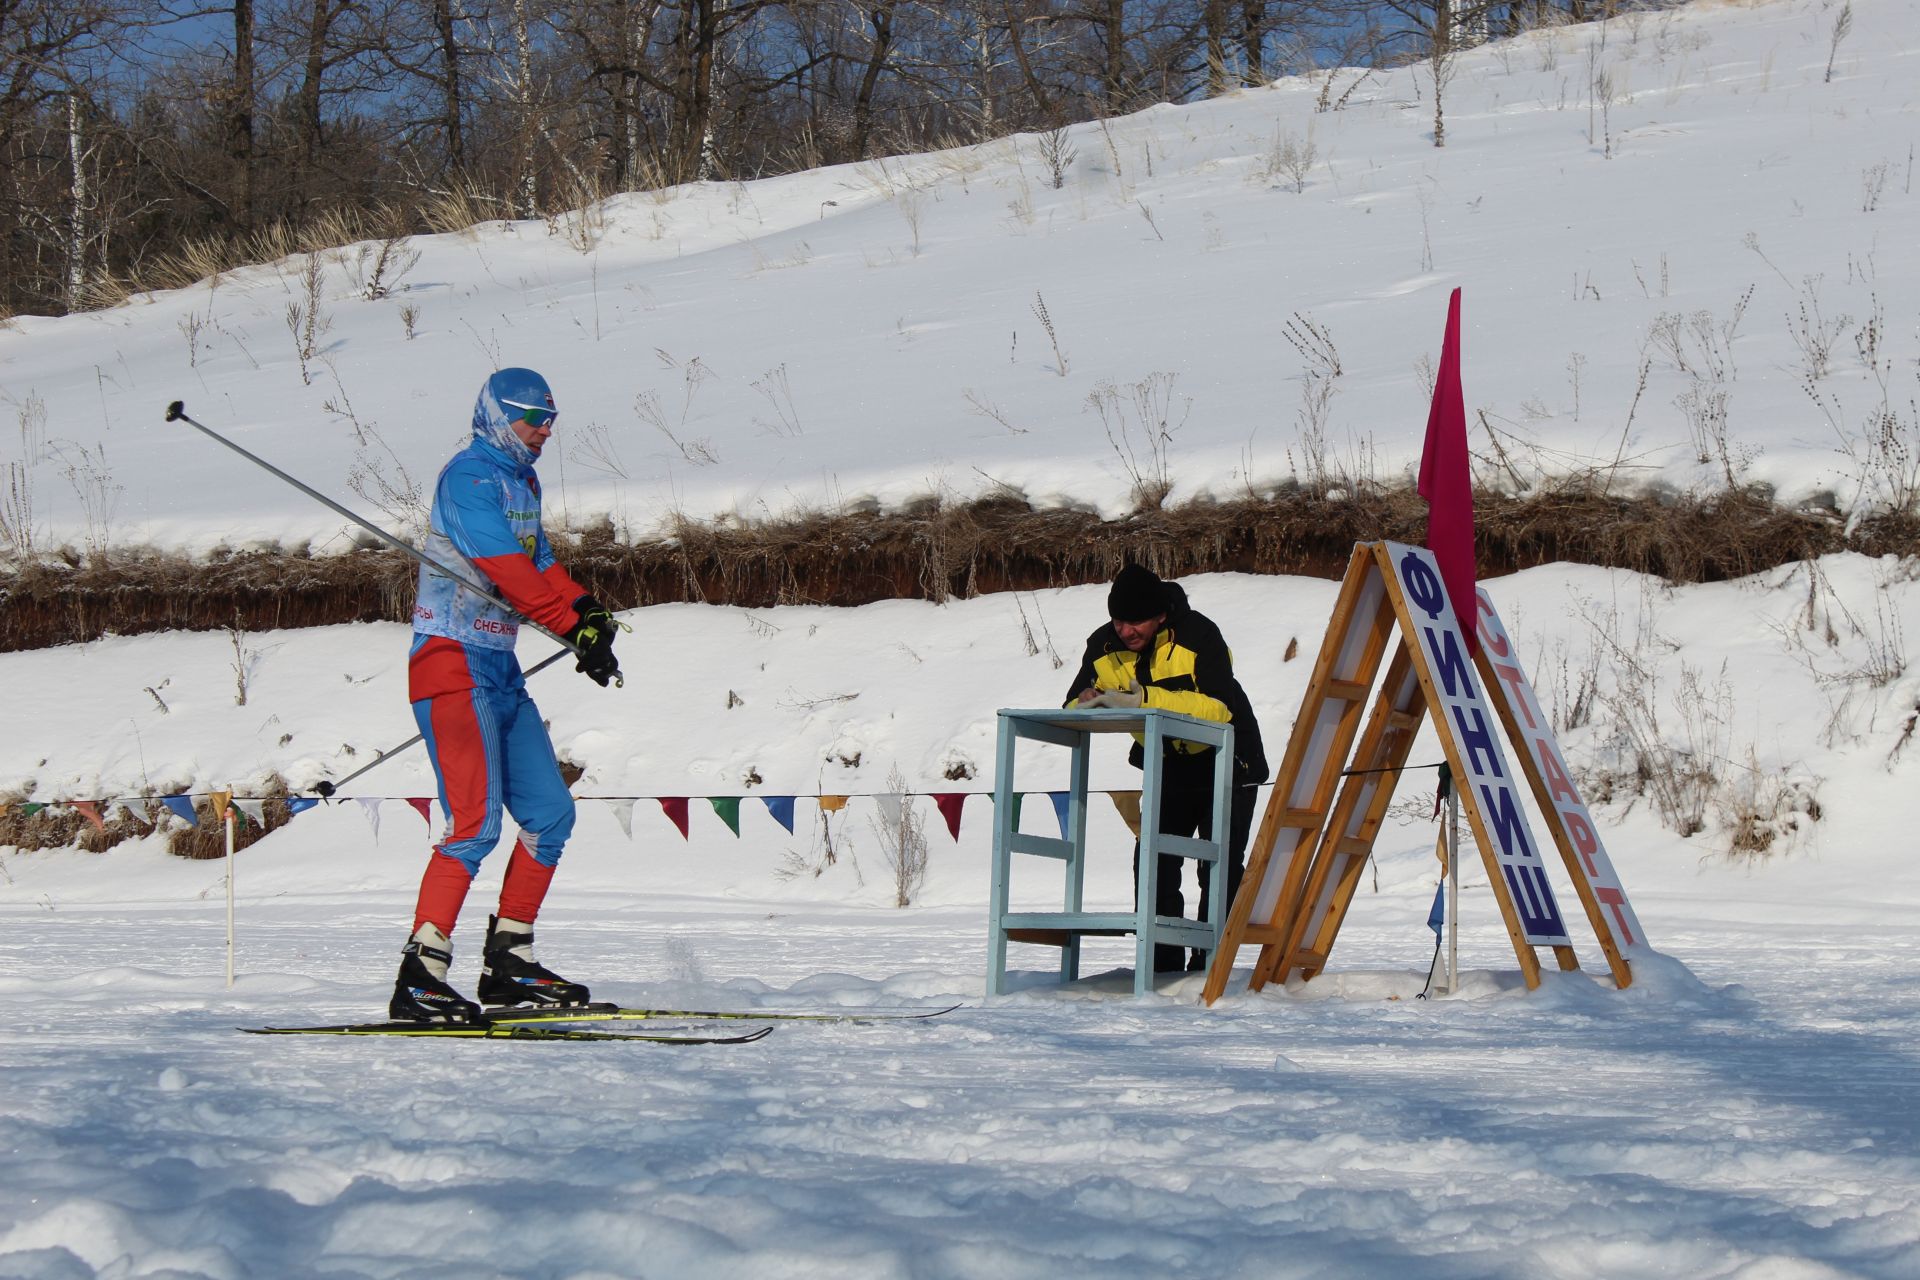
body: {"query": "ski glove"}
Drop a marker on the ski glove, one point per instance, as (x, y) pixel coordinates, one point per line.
(593, 636)
(1131, 698)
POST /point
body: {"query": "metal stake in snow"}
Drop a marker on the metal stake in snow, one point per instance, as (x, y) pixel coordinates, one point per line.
(1453, 879)
(229, 817)
(176, 412)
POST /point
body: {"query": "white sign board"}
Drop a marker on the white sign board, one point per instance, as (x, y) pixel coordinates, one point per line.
(1490, 789)
(1530, 722)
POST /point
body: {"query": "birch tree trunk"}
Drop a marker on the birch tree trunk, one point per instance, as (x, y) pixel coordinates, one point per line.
(528, 184)
(78, 228)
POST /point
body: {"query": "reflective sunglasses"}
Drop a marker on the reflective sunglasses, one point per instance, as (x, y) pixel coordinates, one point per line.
(535, 416)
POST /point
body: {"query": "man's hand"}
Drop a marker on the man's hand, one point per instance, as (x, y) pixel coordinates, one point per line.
(592, 635)
(1131, 698)
(594, 616)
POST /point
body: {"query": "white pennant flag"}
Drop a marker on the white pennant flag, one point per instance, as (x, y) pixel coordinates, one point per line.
(890, 812)
(256, 811)
(623, 812)
(371, 806)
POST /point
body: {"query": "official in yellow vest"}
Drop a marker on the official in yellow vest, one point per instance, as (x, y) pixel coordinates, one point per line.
(1159, 652)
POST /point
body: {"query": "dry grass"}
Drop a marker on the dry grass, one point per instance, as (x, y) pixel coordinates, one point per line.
(62, 827)
(936, 550)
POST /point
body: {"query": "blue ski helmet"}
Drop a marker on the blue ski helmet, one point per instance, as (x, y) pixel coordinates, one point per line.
(510, 396)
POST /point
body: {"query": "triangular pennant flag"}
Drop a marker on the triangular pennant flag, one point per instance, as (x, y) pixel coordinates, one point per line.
(182, 807)
(675, 807)
(1437, 913)
(1060, 799)
(370, 805)
(300, 804)
(31, 807)
(1013, 806)
(1128, 803)
(423, 805)
(888, 802)
(623, 814)
(91, 812)
(950, 803)
(1446, 481)
(256, 811)
(220, 799)
(781, 807)
(832, 804)
(728, 807)
(5, 805)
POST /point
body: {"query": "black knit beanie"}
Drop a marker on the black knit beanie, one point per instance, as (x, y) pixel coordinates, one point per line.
(1137, 595)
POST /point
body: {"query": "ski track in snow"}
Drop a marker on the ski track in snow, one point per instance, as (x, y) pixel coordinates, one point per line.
(1757, 1120)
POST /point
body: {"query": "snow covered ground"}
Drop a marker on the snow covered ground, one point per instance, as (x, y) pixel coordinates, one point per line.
(1746, 1109)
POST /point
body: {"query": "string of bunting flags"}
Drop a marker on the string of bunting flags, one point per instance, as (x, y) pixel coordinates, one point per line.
(676, 809)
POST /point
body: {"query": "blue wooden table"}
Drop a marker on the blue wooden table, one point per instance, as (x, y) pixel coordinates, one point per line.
(1075, 730)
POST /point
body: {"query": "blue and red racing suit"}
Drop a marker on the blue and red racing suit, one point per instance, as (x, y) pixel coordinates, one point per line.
(490, 750)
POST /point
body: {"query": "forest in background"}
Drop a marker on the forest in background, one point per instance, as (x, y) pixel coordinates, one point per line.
(151, 143)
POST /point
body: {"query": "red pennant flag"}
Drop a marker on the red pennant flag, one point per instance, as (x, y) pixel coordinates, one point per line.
(1446, 481)
(675, 807)
(423, 805)
(950, 803)
(90, 810)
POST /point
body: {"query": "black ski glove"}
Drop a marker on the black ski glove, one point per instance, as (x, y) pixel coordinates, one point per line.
(593, 636)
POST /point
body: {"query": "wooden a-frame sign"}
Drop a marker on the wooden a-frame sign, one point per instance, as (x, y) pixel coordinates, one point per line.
(1330, 796)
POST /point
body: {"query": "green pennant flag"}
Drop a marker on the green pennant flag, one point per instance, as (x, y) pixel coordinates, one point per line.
(31, 807)
(728, 807)
(1013, 808)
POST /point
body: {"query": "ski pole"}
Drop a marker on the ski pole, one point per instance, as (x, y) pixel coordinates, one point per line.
(176, 412)
(325, 789)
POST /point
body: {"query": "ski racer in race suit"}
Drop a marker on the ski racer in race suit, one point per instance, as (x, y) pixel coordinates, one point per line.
(1158, 651)
(489, 747)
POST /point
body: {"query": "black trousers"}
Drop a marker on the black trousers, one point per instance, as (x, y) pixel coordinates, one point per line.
(1186, 809)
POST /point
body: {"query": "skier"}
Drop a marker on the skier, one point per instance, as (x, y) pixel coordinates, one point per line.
(1159, 652)
(490, 750)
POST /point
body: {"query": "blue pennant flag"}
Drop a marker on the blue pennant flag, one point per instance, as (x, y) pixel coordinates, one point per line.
(183, 806)
(1060, 799)
(781, 807)
(300, 804)
(1437, 913)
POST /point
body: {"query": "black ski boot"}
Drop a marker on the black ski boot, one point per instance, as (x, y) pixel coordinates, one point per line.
(510, 975)
(421, 993)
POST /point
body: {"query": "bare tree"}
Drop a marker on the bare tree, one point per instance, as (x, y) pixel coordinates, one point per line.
(240, 102)
(880, 18)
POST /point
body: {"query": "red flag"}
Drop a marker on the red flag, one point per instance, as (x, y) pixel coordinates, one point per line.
(423, 805)
(675, 807)
(1446, 481)
(950, 803)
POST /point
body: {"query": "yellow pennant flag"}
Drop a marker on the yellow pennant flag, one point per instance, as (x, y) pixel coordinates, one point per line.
(1128, 803)
(832, 804)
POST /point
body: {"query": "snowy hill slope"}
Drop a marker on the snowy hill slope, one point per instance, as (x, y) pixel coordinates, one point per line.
(1665, 226)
